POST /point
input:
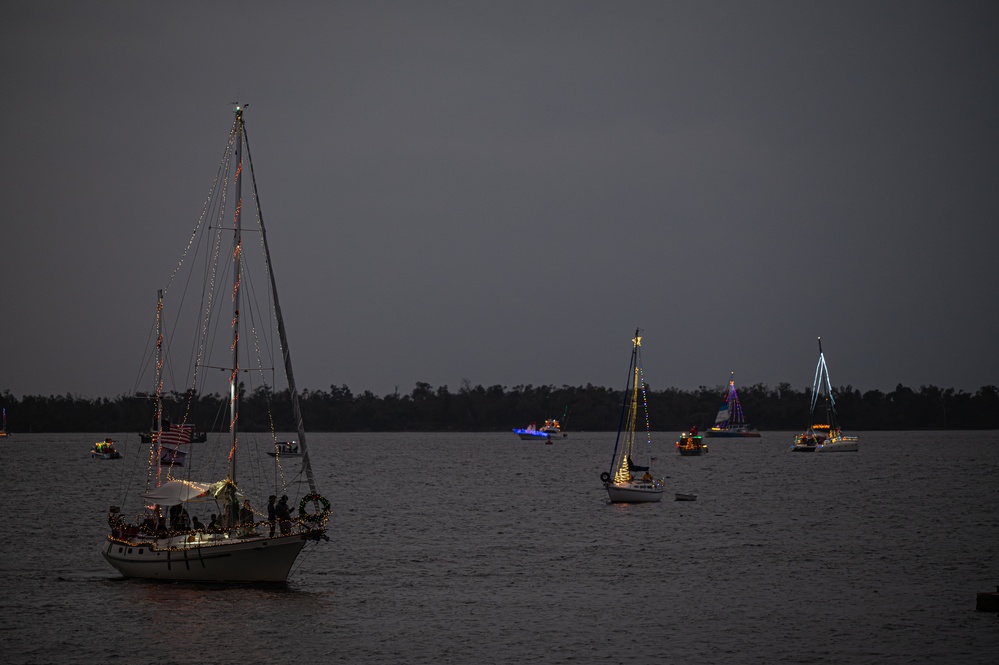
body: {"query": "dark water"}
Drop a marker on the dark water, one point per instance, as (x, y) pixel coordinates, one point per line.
(461, 548)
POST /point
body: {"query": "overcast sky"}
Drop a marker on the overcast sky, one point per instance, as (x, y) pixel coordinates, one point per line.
(503, 191)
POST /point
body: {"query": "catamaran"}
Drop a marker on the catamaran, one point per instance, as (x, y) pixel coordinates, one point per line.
(627, 481)
(825, 436)
(157, 533)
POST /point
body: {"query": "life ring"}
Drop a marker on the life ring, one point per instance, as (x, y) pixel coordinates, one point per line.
(605, 477)
(314, 517)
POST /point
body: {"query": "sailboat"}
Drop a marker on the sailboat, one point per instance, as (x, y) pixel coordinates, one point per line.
(157, 533)
(824, 436)
(729, 421)
(626, 481)
(4, 432)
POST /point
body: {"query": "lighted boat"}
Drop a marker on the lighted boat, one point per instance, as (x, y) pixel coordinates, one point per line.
(552, 428)
(824, 437)
(691, 444)
(105, 450)
(730, 421)
(531, 433)
(626, 481)
(157, 533)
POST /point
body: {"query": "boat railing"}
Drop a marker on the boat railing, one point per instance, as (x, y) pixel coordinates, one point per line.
(148, 528)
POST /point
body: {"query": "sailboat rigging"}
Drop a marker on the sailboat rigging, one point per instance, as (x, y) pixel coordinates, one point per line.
(620, 480)
(241, 543)
(824, 436)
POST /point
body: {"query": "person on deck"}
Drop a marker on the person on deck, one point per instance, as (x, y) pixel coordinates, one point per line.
(283, 515)
(272, 512)
(246, 517)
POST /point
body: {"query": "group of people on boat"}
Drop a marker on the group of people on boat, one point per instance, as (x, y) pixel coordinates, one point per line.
(279, 514)
(178, 519)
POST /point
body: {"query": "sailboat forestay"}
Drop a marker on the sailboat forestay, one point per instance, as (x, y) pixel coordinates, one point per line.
(825, 436)
(156, 533)
(626, 481)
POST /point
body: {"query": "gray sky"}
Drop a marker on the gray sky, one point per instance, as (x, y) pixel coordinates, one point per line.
(501, 192)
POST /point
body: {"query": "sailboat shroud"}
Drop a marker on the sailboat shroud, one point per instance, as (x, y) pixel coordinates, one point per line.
(163, 540)
(626, 481)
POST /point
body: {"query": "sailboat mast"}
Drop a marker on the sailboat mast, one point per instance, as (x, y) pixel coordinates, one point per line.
(831, 416)
(282, 334)
(159, 360)
(158, 425)
(816, 387)
(237, 266)
(632, 369)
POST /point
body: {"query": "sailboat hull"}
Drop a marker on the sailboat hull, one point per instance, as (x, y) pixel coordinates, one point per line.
(731, 434)
(843, 444)
(635, 493)
(259, 559)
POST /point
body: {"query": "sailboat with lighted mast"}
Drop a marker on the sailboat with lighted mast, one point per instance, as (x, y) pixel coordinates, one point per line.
(627, 481)
(239, 336)
(824, 437)
(730, 421)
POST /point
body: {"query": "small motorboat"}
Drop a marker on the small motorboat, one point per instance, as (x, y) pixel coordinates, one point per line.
(285, 449)
(105, 450)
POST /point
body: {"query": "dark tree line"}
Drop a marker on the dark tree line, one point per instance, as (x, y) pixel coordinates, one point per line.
(498, 408)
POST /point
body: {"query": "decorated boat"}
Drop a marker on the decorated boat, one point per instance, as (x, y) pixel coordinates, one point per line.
(691, 443)
(531, 433)
(160, 532)
(730, 421)
(824, 434)
(628, 481)
(105, 450)
(552, 428)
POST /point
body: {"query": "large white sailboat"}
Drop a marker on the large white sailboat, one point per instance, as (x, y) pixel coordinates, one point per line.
(627, 481)
(158, 532)
(824, 437)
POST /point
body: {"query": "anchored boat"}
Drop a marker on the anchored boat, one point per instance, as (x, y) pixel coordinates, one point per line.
(730, 421)
(628, 481)
(825, 436)
(158, 533)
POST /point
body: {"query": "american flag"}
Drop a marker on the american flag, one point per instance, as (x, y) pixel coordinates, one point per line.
(174, 434)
